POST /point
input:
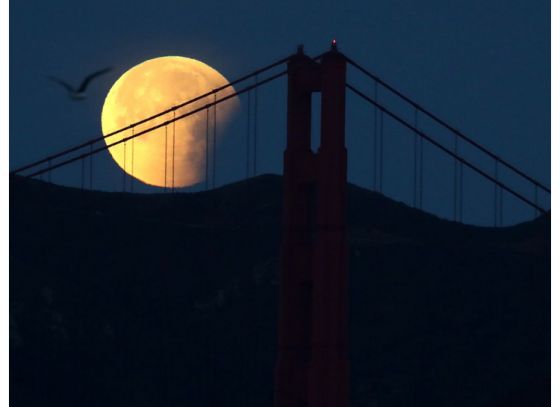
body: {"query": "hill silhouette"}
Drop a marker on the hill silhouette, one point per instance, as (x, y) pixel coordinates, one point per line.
(170, 299)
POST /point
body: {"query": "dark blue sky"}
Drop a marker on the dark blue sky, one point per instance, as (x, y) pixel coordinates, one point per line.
(484, 66)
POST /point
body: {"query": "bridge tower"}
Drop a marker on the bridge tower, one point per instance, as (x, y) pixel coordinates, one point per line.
(312, 362)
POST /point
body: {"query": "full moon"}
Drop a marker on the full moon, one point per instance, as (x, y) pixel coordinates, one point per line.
(173, 155)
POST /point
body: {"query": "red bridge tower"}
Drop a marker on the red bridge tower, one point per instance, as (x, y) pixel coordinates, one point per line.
(312, 365)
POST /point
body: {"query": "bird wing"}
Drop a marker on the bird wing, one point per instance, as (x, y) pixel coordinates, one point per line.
(68, 87)
(88, 78)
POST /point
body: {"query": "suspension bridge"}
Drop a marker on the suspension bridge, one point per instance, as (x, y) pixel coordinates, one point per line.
(312, 363)
(410, 116)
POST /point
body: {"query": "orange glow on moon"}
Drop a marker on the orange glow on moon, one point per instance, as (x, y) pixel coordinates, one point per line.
(154, 86)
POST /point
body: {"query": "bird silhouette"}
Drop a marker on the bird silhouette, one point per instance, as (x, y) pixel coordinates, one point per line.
(80, 92)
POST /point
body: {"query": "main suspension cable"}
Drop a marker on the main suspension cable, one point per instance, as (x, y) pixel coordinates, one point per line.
(208, 105)
(443, 148)
(447, 126)
(147, 119)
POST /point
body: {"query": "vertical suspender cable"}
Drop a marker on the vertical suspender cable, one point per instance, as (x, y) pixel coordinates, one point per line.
(420, 170)
(132, 165)
(173, 156)
(207, 147)
(455, 179)
(495, 196)
(501, 207)
(416, 139)
(255, 129)
(248, 137)
(381, 153)
(90, 167)
(214, 146)
(461, 189)
(496, 223)
(165, 162)
(375, 124)
(124, 167)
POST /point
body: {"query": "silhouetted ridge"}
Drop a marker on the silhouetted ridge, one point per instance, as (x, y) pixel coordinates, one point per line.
(170, 299)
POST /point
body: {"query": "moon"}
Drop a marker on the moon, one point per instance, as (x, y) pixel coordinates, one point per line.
(173, 155)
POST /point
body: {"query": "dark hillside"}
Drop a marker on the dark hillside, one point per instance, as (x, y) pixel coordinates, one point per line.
(170, 300)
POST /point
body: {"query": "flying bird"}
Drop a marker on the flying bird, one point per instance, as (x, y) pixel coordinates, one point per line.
(80, 92)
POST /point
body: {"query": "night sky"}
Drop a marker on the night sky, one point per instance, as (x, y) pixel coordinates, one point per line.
(482, 65)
